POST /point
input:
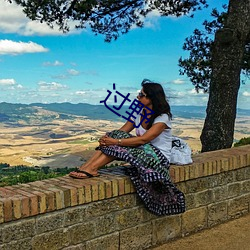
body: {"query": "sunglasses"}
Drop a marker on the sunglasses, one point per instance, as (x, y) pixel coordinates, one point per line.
(140, 94)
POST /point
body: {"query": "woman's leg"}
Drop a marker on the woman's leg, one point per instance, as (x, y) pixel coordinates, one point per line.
(98, 160)
(93, 158)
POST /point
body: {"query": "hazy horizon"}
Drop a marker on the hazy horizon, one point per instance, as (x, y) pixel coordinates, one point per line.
(44, 103)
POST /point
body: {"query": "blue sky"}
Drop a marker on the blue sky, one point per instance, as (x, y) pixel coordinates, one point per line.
(38, 64)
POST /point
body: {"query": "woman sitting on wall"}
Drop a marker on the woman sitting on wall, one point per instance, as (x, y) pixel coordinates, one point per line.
(148, 153)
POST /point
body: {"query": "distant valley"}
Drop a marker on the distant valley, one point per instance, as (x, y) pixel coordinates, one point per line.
(65, 134)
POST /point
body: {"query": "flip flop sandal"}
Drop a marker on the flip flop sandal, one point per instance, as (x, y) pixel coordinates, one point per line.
(87, 175)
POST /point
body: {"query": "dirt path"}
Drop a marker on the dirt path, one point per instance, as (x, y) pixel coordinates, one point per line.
(233, 235)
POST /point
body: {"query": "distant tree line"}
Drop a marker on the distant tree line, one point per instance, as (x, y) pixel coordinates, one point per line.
(24, 174)
(12, 175)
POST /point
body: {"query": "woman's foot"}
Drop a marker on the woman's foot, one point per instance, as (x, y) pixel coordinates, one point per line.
(83, 174)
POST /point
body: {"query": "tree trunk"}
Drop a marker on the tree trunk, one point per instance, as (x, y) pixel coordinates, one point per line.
(227, 56)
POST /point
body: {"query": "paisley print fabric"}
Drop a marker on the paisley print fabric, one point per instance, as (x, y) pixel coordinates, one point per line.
(149, 172)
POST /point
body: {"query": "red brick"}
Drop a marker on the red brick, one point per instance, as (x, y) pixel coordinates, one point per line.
(127, 185)
(50, 200)
(34, 205)
(95, 191)
(78, 184)
(80, 195)
(133, 190)
(205, 169)
(44, 201)
(6, 209)
(210, 168)
(231, 163)
(201, 170)
(172, 173)
(95, 187)
(59, 198)
(101, 191)
(220, 168)
(38, 184)
(187, 172)
(243, 160)
(73, 195)
(49, 195)
(66, 195)
(192, 171)
(108, 189)
(17, 210)
(182, 173)
(33, 200)
(25, 206)
(41, 201)
(225, 164)
(214, 167)
(24, 199)
(87, 193)
(1, 211)
(25, 185)
(114, 184)
(248, 159)
(177, 174)
(121, 185)
(6, 192)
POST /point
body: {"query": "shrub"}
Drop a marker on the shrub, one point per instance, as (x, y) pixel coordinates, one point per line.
(242, 142)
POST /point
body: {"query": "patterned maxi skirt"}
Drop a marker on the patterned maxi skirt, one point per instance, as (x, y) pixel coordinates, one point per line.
(149, 173)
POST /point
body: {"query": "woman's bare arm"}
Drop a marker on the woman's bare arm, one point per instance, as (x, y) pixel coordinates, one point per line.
(135, 141)
(127, 127)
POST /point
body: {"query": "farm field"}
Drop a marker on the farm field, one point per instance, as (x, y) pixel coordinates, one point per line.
(62, 143)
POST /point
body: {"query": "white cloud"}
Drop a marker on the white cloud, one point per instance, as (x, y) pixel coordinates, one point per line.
(10, 84)
(15, 48)
(73, 72)
(188, 97)
(55, 63)
(19, 86)
(89, 95)
(11, 17)
(63, 76)
(7, 82)
(40, 29)
(80, 92)
(178, 81)
(44, 86)
(246, 93)
(180, 94)
(152, 19)
(192, 92)
(70, 72)
(13, 20)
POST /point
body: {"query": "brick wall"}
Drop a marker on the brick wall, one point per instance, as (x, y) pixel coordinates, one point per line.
(105, 212)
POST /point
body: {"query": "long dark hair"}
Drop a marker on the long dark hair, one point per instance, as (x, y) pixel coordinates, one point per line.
(160, 105)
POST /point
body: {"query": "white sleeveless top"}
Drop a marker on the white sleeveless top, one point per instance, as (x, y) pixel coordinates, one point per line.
(163, 141)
